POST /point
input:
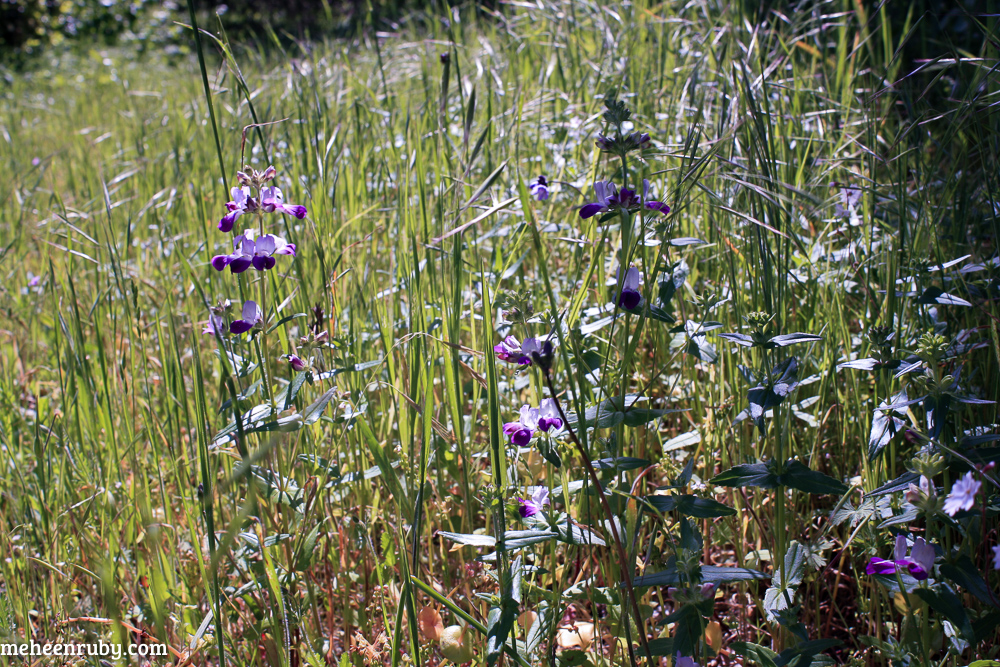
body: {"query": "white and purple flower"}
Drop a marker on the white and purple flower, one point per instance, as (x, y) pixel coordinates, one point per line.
(610, 199)
(242, 203)
(996, 558)
(251, 250)
(514, 352)
(271, 200)
(630, 297)
(548, 415)
(542, 418)
(535, 504)
(539, 188)
(252, 317)
(962, 495)
(295, 361)
(918, 564)
(215, 325)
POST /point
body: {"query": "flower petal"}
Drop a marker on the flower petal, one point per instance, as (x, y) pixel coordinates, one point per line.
(590, 210)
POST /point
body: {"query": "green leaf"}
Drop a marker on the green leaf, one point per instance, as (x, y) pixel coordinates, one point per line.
(501, 619)
(662, 646)
(304, 555)
(693, 506)
(797, 476)
(965, 574)
(710, 574)
(292, 391)
(801, 655)
(277, 489)
(469, 538)
(312, 413)
(946, 603)
(747, 474)
(794, 474)
(689, 625)
(781, 595)
(756, 654)
(612, 411)
(621, 463)
(518, 539)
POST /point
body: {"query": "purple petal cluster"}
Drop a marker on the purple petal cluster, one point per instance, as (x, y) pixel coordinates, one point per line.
(252, 316)
(918, 564)
(533, 505)
(610, 199)
(252, 250)
(630, 297)
(513, 352)
(242, 203)
(531, 420)
(539, 188)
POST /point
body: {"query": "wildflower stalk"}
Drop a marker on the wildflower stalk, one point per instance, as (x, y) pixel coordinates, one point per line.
(626, 567)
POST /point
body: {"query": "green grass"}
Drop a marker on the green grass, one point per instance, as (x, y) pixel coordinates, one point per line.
(117, 503)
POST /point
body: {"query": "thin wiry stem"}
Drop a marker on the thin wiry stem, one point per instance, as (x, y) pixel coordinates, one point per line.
(626, 567)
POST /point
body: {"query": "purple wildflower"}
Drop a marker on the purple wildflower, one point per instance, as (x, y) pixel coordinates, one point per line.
(548, 415)
(523, 430)
(242, 203)
(271, 200)
(996, 558)
(295, 361)
(539, 188)
(919, 563)
(962, 495)
(215, 325)
(684, 661)
(259, 253)
(511, 351)
(33, 280)
(252, 316)
(610, 199)
(630, 297)
(539, 499)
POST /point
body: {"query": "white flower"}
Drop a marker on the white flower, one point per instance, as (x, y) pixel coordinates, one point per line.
(962, 495)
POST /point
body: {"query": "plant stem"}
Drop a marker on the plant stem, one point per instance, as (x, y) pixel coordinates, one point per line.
(626, 567)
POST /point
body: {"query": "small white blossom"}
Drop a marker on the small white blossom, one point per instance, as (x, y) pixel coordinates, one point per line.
(962, 495)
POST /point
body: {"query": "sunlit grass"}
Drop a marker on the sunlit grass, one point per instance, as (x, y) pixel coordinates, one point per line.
(112, 397)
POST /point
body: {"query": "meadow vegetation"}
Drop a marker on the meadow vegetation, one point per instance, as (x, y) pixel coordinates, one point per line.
(758, 422)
